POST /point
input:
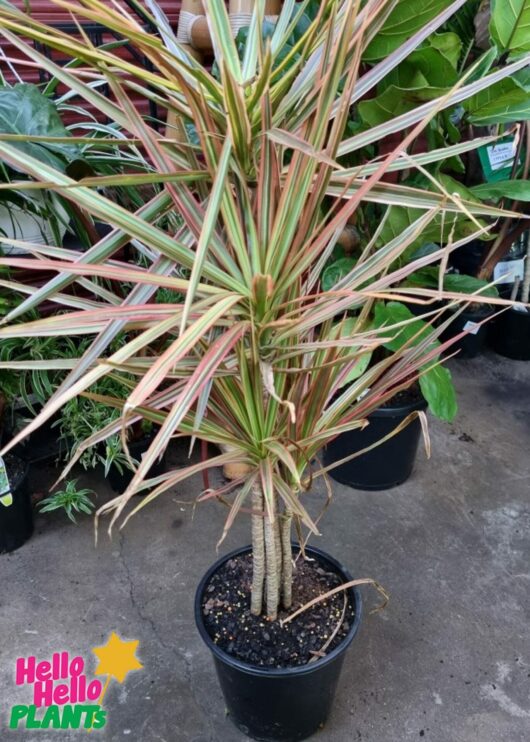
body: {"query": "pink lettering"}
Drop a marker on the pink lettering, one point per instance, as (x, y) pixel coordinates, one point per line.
(43, 671)
(94, 690)
(43, 693)
(25, 671)
(76, 666)
(60, 694)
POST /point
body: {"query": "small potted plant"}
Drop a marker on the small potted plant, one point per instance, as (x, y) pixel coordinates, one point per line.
(469, 323)
(250, 358)
(382, 454)
(16, 514)
(510, 333)
(85, 419)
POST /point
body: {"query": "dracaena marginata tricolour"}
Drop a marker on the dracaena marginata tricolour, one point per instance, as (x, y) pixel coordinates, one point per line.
(249, 355)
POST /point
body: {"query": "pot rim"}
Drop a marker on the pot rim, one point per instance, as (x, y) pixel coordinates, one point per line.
(484, 310)
(399, 410)
(518, 313)
(276, 672)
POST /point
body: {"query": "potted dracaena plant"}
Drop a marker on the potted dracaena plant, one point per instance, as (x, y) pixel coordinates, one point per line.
(250, 359)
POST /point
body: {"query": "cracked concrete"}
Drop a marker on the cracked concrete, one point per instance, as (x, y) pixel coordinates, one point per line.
(448, 661)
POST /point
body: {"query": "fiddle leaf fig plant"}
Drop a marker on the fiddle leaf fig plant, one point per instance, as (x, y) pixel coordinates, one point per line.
(250, 358)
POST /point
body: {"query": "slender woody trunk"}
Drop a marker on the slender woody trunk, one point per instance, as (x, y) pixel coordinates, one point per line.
(271, 558)
(271, 570)
(279, 551)
(287, 560)
(258, 551)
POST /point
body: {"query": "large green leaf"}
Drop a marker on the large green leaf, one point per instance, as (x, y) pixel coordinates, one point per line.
(435, 62)
(437, 387)
(335, 271)
(435, 382)
(518, 190)
(449, 44)
(459, 282)
(25, 111)
(394, 101)
(510, 25)
(438, 231)
(440, 228)
(505, 102)
(393, 312)
(407, 17)
(455, 282)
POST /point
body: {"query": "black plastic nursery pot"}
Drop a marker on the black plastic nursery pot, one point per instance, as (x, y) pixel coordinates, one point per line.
(468, 321)
(510, 334)
(119, 481)
(44, 444)
(279, 704)
(388, 464)
(16, 520)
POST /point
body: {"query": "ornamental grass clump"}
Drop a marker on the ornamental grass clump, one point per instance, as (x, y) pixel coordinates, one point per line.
(253, 359)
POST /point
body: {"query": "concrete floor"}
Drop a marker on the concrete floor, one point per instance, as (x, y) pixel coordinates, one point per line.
(448, 661)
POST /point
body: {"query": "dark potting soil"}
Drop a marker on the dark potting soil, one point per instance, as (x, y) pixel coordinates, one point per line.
(257, 641)
(412, 395)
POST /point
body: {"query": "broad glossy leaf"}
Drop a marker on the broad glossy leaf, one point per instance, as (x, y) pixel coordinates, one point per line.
(395, 101)
(427, 110)
(510, 25)
(518, 190)
(441, 228)
(437, 387)
(505, 102)
(25, 111)
(393, 312)
(335, 271)
(435, 382)
(435, 61)
(461, 283)
(454, 282)
(449, 44)
(407, 17)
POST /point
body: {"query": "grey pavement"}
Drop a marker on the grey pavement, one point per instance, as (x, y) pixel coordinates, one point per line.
(448, 661)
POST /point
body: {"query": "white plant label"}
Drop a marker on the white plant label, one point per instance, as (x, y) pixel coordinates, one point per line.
(508, 270)
(500, 155)
(471, 327)
(6, 498)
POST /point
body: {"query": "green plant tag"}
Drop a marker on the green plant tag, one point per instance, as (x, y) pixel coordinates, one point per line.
(497, 159)
(6, 498)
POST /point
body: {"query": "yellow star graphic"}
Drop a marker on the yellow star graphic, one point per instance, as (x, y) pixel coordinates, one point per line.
(117, 658)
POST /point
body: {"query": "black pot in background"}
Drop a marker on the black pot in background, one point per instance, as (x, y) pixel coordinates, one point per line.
(16, 520)
(509, 334)
(44, 444)
(72, 241)
(279, 704)
(418, 310)
(469, 257)
(473, 342)
(388, 464)
(119, 481)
